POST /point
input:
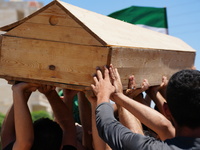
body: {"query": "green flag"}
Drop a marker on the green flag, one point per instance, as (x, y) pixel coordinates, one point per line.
(148, 17)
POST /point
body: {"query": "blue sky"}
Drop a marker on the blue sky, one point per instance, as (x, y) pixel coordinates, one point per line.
(183, 16)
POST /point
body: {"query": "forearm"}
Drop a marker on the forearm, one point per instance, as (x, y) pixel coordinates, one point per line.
(159, 101)
(148, 116)
(59, 108)
(23, 121)
(129, 120)
(64, 117)
(86, 121)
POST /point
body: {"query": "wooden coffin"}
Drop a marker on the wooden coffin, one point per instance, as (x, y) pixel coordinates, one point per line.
(62, 45)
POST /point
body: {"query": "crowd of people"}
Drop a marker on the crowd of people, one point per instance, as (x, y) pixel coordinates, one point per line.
(110, 117)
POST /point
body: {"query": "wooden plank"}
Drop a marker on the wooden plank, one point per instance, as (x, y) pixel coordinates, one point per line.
(55, 25)
(51, 61)
(149, 64)
(54, 33)
(14, 80)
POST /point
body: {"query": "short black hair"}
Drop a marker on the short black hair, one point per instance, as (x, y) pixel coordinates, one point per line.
(183, 97)
(47, 135)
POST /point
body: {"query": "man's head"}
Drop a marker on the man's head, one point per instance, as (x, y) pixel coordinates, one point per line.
(183, 97)
(47, 135)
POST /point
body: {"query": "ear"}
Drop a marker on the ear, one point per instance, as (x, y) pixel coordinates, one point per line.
(167, 112)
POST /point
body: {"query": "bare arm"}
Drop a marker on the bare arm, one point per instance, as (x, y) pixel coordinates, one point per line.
(148, 116)
(158, 94)
(129, 120)
(85, 117)
(22, 118)
(98, 143)
(158, 99)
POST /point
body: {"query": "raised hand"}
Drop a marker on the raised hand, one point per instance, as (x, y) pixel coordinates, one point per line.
(116, 81)
(132, 91)
(46, 89)
(103, 87)
(25, 87)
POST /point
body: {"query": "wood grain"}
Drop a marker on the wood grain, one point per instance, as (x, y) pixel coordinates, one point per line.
(149, 64)
(74, 64)
(64, 30)
(14, 80)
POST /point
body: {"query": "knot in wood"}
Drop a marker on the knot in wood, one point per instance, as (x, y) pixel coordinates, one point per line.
(52, 67)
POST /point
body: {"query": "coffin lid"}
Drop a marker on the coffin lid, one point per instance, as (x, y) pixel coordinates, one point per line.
(113, 32)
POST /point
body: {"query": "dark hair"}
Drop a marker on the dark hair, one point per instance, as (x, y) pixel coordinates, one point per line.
(47, 135)
(183, 97)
